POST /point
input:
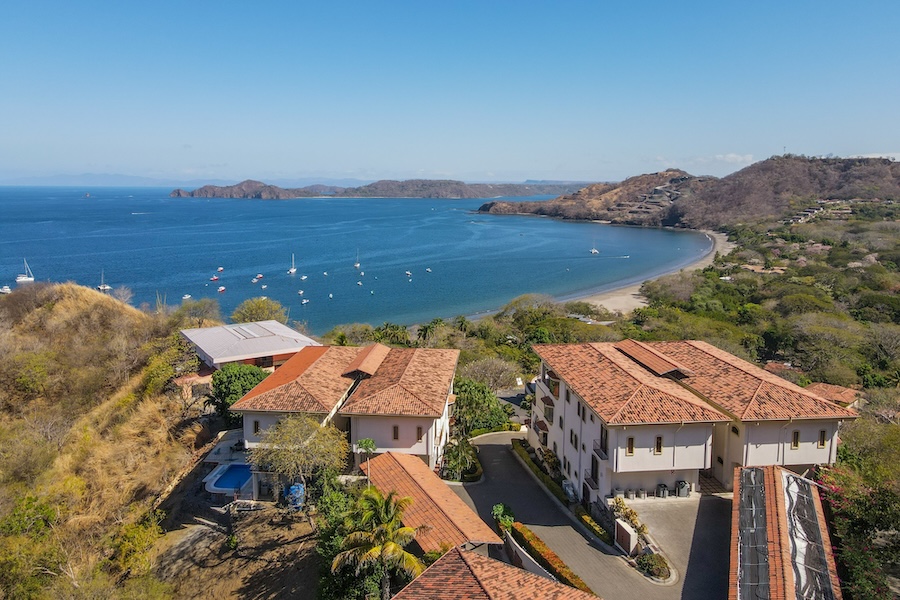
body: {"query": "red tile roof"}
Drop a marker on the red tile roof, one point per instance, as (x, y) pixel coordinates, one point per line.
(408, 382)
(434, 504)
(746, 391)
(310, 381)
(835, 393)
(462, 575)
(393, 381)
(621, 391)
(649, 358)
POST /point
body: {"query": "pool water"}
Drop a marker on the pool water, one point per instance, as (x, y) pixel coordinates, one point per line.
(233, 478)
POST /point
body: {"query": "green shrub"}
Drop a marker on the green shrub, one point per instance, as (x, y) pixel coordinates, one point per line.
(519, 448)
(503, 515)
(654, 565)
(547, 558)
(475, 472)
(592, 525)
(510, 426)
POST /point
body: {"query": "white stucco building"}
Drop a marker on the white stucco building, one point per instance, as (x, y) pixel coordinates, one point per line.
(631, 415)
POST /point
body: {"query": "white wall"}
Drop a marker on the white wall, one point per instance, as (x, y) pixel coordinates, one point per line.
(265, 419)
(769, 443)
(381, 431)
(683, 447)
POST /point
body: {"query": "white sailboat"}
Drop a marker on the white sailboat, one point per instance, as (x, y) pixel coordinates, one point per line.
(27, 276)
(103, 287)
(293, 268)
(356, 264)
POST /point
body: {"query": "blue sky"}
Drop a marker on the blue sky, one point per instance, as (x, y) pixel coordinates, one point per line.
(479, 91)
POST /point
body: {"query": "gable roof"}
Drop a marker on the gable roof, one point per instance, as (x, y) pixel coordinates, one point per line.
(835, 393)
(434, 504)
(466, 575)
(746, 391)
(310, 381)
(780, 547)
(240, 341)
(620, 390)
(407, 382)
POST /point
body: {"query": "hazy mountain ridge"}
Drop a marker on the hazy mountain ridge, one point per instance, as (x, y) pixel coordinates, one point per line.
(411, 188)
(762, 191)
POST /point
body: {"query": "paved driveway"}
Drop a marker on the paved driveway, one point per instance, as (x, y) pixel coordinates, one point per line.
(695, 535)
(505, 480)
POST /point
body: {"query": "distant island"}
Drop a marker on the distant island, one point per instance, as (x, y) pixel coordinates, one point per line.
(770, 190)
(411, 188)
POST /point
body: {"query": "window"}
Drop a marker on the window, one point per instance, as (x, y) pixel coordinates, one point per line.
(629, 447)
(795, 440)
(419, 433)
(575, 441)
(735, 430)
(657, 449)
(578, 409)
(265, 361)
(568, 396)
(548, 414)
(255, 426)
(592, 417)
(583, 449)
(554, 447)
(396, 432)
(571, 436)
(604, 439)
(822, 437)
(561, 422)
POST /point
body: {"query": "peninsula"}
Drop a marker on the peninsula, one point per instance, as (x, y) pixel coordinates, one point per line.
(412, 188)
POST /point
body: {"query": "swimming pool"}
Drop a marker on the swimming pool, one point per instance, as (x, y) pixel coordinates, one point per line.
(225, 479)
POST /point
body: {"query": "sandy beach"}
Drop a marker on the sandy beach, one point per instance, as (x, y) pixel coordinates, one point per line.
(624, 300)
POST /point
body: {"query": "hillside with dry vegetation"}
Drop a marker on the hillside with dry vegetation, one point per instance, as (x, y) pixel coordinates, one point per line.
(91, 435)
(770, 190)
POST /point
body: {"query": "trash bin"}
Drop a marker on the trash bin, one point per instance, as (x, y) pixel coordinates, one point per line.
(629, 494)
(662, 491)
(684, 488)
(619, 493)
(642, 494)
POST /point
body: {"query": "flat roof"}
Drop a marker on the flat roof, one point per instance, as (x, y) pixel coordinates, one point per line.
(240, 341)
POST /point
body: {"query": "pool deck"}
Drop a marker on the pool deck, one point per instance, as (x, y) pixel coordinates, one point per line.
(224, 450)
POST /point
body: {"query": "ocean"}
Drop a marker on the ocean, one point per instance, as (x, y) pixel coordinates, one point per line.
(418, 258)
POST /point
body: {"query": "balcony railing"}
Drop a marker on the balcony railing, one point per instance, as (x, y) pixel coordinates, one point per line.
(552, 386)
(599, 451)
(590, 481)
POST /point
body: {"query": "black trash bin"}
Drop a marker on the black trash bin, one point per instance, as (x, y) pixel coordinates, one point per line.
(684, 488)
(662, 491)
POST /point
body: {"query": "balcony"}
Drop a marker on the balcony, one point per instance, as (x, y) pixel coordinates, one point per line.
(601, 454)
(590, 481)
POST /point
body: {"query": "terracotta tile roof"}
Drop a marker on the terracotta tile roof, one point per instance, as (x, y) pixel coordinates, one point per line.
(368, 360)
(768, 552)
(745, 390)
(621, 391)
(448, 518)
(408, 382)
(462, 575)
(650, 358)
(835, 393)
(310, 381)
(403, 381)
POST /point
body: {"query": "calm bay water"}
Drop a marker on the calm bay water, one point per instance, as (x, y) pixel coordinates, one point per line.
(144, 240)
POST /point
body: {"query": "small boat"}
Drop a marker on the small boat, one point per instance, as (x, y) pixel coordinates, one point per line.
(359, 283)
(27, 276)
(303, 278)
(221, 288)
(220, 269)
(186, 297)
(263, 286)
(325, 273)
(362, 273)
(103, 287)
(304, 301)
(259, 275)
(254, 280)
(356, 264)
(428, 269)
(409, 273)
(214, 278)
(300, 292)
(330, 296)
(594, 251)
(293, 269)
(5, 290)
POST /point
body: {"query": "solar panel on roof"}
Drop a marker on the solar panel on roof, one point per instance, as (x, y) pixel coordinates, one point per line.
(753, 548)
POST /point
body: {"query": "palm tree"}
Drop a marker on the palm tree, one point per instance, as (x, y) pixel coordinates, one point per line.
(368, 446)
(378, 538)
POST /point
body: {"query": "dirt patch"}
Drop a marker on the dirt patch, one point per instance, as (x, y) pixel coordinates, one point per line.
(274, 558)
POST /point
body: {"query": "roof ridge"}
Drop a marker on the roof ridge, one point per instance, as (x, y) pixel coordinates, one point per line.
(626, 403)
(752, 400)
(477, 576)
